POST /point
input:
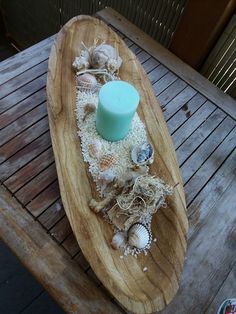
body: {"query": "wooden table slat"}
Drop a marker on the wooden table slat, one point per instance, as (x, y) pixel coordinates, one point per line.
(22, 93)
(22, 79)
(31, 170)
(185, 112)
(22, 107)
(44, 199)
(52, 215)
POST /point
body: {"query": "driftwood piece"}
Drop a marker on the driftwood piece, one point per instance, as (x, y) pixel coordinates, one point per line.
(138, 291)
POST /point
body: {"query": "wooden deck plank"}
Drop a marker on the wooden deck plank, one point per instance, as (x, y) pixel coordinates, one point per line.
(171, 92)
(22, 108)
(37, 184)
(48, 262)
(211, 248)
(71, 245)
(28, 172)
(202, 176)
(196, 138)
(179, 101)
(168, 59)
(25, 59)
(192, 123)
(23, 78)
(24, 122)
(197, 159)
(157, 73)
(164, 82)
(52, 215)
(22, 93)
(24, 138)
(185, 113)
(61, 230)
(150, 64)
(44, 199)
(227, 289)
(24, 156)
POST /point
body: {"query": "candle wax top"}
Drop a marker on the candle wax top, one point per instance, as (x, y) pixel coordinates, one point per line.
(119, 97)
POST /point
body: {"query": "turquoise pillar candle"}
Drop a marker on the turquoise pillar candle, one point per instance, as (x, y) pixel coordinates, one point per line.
(118, 101)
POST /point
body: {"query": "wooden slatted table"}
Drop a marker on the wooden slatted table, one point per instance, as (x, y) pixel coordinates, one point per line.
(202, 122)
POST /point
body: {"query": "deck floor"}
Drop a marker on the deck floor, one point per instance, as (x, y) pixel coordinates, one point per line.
(19, 291)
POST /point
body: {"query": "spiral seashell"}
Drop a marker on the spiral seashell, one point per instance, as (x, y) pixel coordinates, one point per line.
(105, 56)
(94, 149)
(119, 240)
(142, 154)
(138, 236)
(106, 161)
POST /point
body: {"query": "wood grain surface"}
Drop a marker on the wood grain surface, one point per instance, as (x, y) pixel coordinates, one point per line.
(138, 291)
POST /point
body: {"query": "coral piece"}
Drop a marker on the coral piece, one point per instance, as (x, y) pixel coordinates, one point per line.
(106, 161)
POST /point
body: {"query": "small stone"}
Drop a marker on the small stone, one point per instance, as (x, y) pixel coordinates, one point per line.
(145, 269)
(155, 240)
(121, 256)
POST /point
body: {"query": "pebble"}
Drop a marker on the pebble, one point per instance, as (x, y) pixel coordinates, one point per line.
(145, 269)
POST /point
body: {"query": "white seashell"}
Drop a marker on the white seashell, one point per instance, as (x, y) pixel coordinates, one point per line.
(119, 240)
(138, 236)
(143, 154)
(87, 81)
(105, 56)
(106, 176)
(81, 62)
(94, 149)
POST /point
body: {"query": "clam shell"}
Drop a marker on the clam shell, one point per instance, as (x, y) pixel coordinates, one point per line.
(94, 149)
(119, 240)
(138, 236)
(87, 81)
(106, 161)
(143, 154)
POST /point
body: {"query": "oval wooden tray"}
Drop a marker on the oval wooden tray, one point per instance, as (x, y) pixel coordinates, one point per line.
(138, 291)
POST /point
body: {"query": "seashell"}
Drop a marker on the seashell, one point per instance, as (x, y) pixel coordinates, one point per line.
(139, 236)
(142, 154)
(87, 81)
(106, 161)
(105, 56)
(88, 108)
(81, 62)
(94, 149)
(119, 240)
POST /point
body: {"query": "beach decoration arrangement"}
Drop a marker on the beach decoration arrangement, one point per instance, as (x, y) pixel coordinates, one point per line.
(115, 146)
(117, 171)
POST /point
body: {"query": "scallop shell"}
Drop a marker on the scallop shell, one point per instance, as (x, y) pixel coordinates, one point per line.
(94, 149)
(142, 154)
(87, 81)
(139, 236)
(106, 161)
(119, 240)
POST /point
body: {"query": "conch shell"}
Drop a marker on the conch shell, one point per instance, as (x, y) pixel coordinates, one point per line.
(105, 57)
